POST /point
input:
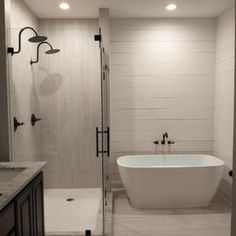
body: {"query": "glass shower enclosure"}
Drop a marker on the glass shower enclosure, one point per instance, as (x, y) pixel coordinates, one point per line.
(69, 93)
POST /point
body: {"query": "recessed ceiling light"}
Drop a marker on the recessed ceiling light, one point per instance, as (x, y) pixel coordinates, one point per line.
(64, 6)
(171, 7)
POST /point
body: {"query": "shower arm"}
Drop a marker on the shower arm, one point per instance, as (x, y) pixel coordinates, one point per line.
(37, 59)
(11, 49)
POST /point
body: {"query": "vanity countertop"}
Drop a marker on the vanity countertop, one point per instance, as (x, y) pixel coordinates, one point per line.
(24, 173)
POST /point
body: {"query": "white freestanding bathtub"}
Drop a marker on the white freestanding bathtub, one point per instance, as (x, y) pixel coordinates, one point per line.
(170, 181)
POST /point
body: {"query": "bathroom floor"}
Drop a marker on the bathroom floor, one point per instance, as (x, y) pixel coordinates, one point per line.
(212, 221)
(64, 217)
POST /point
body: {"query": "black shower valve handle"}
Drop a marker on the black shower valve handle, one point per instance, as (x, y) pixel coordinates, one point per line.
(20, 123)
(156, 142)
(34, 119)
(17, 123)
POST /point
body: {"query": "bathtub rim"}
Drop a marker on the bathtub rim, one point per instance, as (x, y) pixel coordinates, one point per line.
(218, 162)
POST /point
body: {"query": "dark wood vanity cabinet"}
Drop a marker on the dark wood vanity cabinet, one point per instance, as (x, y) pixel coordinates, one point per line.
(38, 206)
(7, 220)
(24, 213)
(24, 216)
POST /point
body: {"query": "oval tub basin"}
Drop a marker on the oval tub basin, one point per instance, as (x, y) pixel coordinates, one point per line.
(170, 181)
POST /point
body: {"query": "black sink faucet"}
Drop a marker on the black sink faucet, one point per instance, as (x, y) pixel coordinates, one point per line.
(164, 136)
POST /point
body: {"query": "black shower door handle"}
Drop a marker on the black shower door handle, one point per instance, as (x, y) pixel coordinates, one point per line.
(97, 148)
(108, 141)
(107, 132)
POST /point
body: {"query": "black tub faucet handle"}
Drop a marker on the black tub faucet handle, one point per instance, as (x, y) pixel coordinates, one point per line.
(171, 142)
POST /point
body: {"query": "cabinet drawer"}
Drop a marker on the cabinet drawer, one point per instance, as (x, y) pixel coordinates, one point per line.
(7, 221)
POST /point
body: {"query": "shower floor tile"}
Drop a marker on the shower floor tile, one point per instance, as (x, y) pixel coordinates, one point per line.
(64, 217)
(212, 221)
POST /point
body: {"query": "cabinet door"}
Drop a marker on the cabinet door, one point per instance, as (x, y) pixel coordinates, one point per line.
(12, 233)
(7, 221)
(24, 213)
(38, 205)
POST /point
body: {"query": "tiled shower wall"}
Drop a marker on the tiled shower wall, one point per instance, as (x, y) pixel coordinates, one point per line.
(163, 73)
(64, 90)
(224, 93)
(69, 87)
(24, 98)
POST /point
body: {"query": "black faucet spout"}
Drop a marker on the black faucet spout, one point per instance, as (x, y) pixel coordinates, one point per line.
(164, 136)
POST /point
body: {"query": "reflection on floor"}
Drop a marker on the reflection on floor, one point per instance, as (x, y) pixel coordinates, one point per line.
(212, 221)
(72, 217)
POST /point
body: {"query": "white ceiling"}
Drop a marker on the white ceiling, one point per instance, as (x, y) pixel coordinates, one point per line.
(129, 8)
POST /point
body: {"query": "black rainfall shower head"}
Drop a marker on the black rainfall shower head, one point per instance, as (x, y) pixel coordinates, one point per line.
(38, 39)
(52, 51)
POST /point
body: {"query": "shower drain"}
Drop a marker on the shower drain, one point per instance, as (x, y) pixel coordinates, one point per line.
(70, 199)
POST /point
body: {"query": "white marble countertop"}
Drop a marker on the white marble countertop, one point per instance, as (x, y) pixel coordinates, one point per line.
(8, 190)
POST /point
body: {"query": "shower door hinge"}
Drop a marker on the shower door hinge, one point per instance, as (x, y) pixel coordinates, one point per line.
(98, 37)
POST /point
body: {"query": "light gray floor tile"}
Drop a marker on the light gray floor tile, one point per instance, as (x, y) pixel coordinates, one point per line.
(211, 221)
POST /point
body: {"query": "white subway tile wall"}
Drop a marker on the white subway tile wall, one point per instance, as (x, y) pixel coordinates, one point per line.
(224, 93)
(162, 79)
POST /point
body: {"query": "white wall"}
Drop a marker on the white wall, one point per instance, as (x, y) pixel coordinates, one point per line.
(162, 80)
(224, 93)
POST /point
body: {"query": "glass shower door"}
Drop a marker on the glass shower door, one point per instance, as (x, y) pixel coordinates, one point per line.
(106, 136)
(103, 134)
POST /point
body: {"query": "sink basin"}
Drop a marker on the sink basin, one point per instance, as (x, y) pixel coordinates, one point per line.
(7, 174)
